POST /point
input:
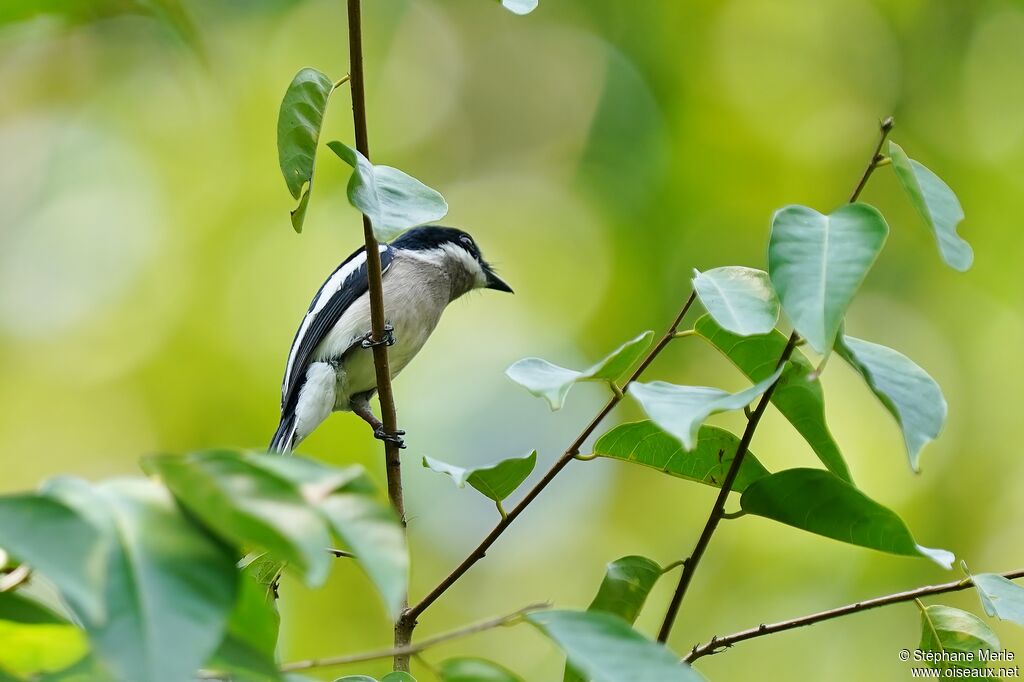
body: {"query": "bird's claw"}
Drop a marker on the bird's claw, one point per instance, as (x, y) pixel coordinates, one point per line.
(387, 338)
(396, 437)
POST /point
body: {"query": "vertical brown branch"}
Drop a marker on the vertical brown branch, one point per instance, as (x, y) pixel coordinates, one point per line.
(392, 458)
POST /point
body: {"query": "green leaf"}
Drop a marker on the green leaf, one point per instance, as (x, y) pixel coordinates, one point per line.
(740, 299)
(645, 444)
(468, 669)
(18, 607)
(798, 397)
(298, 131)
(937, 204)
(59, 543)
(606, 649)
(496, 481)
(817, 262)
(551, 382)
(34, 638)
(398, 676)
(248, 505)
(819, 502)
(170, 585)
(956, 636)
(248, 648)
(1000, 597)
(906, 390)
(680, 410)
(356, 678)
(520, 7)
(391, 199)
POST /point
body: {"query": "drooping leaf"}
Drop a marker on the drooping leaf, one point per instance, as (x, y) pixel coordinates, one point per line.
(906, 390)
(391, 199)
(945, 630)
(644, 443)
(798, 396)
(249, 506)
(170, 586)
(937, 204)
(817, 262)
(298, 132)
(551, 382)
(604, 648)
(1000, 597)
(34, 639)
(627, 582)
(520, 7)
(59, 543)
(680, 410)
(496, 481)
(818, 502)
(468, 669)
(740, 299)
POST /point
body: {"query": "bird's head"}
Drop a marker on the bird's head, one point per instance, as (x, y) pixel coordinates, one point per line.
(457, 252)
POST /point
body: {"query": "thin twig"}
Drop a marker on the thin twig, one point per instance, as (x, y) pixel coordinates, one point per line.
(717, 644)
(570, 453)
(718, 510)
(411, 649)
(388, 414)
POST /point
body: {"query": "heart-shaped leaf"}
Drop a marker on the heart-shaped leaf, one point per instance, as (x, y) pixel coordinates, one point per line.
(740, 299)
(798, 396)
(818, 502)
(1000, 597)
(680, 410)
(496, 481)
(391, 199)
(645, 444)
(906, 390)
(298, 132)
(551, 382)
(956, 636)
(604, 648)
(937, 204)
(520, 7)
(475, 670)
(817, 262)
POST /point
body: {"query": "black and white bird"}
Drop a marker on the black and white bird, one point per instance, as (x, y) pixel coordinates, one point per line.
(330, 364)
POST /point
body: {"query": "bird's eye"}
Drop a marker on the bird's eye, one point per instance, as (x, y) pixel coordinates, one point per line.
(466, 240)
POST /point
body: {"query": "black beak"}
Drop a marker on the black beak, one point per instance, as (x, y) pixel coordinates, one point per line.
(496, 283)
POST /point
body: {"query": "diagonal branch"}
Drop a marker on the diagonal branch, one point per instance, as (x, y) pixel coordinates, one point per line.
(718, 644)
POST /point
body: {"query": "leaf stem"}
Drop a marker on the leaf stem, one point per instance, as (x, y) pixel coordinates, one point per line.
(885, 127)
(717, 644)
(341, 81)
(411, 649)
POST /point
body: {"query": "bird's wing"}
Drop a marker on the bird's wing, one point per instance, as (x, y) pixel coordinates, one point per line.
(344, 287)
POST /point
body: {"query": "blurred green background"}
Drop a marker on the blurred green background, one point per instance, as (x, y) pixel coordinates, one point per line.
(150, 282)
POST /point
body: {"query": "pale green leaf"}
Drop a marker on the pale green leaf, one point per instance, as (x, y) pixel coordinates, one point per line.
(398, 676)
(496, 481)
(1000, 597)
(520, 7)
(468, 669)
(34, 639)
(740, 299)
(551, 382)
(817, 263)
(937, 204)
(906, 390)
(391, 199)
(680, 410)
(818, 502)
(956, 637)
(645, 444)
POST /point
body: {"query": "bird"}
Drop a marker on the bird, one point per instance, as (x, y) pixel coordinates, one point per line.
(330, 363)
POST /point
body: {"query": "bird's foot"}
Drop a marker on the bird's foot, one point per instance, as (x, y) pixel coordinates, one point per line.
(387, 338)
(380, 434)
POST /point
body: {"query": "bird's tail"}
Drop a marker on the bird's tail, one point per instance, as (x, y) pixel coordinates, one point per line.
(284, 438)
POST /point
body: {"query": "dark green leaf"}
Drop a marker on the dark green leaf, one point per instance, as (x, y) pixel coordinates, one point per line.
(248, 505)
(475, 670)
(798, 397)
(1000, 597)
(551, 382)
(956, 637)
(739, 299)
(819, 502)
(817, 262)
(18, 607)
(298, 131)
(906, 390)
(644, 443)
(937, 204)
(606, 649)
(680, 410)
(496, 481)
(248, 648)
(391, 199)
